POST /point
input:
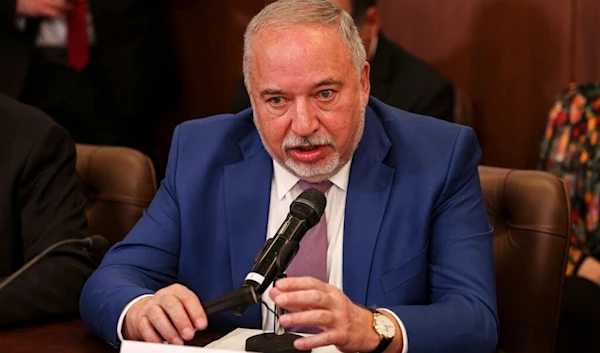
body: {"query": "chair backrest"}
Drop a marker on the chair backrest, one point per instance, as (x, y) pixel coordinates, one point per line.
(530, 213)
(118, 184)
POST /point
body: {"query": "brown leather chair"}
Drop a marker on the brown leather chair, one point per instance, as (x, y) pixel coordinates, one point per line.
(530, 213)
(118, 184)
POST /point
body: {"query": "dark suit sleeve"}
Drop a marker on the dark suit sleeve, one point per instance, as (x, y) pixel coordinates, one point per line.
(8, 13)
(241, 100)
(439, 103)
(50, 209)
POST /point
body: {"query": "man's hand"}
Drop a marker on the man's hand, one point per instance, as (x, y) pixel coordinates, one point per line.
(590, 269)
(42, 8)
(173, 314)
(314, 303)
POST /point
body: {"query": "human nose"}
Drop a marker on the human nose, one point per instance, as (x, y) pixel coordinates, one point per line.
(305, 120)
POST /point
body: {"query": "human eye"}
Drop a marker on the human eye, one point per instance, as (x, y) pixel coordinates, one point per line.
(325, 94)
(276, 100)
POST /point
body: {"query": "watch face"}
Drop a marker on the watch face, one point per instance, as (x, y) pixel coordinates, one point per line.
(385, 325)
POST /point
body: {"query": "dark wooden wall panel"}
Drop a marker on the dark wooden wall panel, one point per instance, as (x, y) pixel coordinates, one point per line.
(586, 53)
(208, 39)
(511, 57)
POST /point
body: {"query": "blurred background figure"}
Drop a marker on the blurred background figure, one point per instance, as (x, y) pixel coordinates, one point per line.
(397, 77)
(39, 206)
(103, 69)
(570, 150)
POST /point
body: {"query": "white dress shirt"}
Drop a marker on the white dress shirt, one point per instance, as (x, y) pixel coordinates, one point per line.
(53, 31)
(284, 190)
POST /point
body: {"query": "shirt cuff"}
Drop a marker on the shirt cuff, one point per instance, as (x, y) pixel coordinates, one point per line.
(402, 328)
(124, 312)
(20, 23)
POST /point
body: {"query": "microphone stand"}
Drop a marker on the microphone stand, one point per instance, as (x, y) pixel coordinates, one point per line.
(92, 243)
(278, 341)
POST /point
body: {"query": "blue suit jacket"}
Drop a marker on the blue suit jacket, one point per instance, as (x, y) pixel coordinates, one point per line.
(416, 232)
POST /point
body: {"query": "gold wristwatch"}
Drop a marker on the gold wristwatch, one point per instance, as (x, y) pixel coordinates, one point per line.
(385, 328)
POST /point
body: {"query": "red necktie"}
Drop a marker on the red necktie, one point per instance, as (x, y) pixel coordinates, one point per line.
(78, 52)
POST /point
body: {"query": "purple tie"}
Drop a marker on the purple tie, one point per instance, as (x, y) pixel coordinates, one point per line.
(311, 259)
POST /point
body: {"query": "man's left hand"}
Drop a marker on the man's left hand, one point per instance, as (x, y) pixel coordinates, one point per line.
(315, 303)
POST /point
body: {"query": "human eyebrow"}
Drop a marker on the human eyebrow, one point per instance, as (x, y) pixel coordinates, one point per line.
(271, 92)
(327, 82)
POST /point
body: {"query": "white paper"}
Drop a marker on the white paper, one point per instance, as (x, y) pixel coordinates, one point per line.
(235, 341)
(146, 347)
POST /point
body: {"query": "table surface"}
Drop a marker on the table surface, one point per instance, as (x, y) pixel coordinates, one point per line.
(66, 337)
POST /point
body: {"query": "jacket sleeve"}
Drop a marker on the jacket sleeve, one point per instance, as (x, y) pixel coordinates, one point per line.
(462, 315)
(50, 209)
(145, 261)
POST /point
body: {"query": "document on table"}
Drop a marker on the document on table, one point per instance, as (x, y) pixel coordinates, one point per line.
(235, 341)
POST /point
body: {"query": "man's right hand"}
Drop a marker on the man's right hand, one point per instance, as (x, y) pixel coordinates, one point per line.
(173, 314)
(42, 8)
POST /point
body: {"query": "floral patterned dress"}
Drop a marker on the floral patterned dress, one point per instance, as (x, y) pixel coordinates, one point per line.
(570, 150)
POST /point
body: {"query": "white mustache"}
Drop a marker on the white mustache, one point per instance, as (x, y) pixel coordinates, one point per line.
(298, 141)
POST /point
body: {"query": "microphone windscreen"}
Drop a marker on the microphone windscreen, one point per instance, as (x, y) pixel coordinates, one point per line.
(309, 206)
(98, 244)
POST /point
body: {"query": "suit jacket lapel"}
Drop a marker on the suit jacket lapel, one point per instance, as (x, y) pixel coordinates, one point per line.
(247, 195)
(368, 192)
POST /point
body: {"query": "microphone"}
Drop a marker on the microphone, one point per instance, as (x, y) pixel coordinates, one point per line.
(278, 251)
(94, 243)
(275, 256)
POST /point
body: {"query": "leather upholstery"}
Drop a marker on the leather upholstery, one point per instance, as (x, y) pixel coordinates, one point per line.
(530, 213)
(118, 184)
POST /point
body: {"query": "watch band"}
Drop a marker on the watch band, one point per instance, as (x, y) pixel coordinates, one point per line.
(385, 342)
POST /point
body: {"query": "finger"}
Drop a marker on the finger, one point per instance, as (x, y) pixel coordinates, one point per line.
(275, 292)
(159, 320)
(317, 318)
(324, 338)
(194, 308)
(175, 311)
(57, 4)
(299, 283)
(148, 332)
(49, 11)
(301, 300)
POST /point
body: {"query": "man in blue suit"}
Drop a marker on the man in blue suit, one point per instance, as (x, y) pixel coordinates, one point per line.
(409, 260)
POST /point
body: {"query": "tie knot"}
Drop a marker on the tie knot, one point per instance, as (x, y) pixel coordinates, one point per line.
(321, 186)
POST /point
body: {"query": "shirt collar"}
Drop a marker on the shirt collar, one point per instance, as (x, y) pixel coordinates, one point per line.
(285, 180)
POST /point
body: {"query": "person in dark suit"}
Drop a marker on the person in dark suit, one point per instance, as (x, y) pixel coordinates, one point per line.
(103, 69)
(39, 206)
(397, 77)
(404, 231)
